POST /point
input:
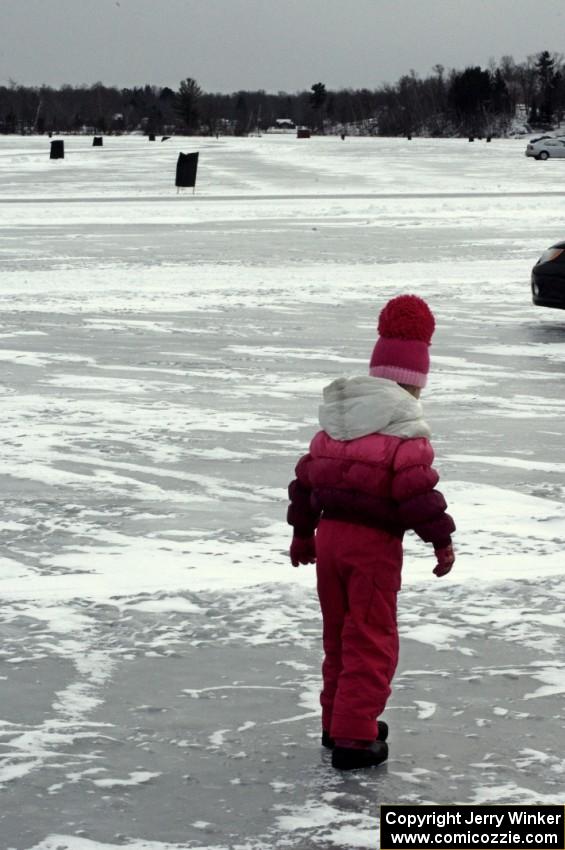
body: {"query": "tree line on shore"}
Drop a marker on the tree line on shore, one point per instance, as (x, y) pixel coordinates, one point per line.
(473, 101)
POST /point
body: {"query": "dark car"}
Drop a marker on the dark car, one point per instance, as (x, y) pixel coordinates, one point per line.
(548, 278)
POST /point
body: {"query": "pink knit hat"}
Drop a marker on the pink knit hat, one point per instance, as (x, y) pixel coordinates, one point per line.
(401, 353)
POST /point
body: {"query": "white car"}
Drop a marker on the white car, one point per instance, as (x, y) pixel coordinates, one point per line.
(546, 148)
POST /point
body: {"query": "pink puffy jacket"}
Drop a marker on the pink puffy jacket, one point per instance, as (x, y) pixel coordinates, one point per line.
(377, 480)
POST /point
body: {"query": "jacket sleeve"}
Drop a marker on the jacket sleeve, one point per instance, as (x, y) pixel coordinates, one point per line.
(301, 514)
(421, 507)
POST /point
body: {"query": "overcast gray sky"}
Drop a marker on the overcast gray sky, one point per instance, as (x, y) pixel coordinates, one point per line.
(272, 44)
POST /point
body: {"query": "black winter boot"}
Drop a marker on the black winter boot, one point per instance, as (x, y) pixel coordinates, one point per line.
(382, 735)
(349, 758)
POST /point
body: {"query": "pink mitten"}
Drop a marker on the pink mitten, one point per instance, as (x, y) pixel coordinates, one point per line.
(445, 560)
(302, 551)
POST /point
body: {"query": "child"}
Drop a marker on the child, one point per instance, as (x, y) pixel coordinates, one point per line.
(367, 478)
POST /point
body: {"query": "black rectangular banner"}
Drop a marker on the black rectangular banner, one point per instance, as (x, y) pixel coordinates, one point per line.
(478, 827)
(57, 149)
(187, 166)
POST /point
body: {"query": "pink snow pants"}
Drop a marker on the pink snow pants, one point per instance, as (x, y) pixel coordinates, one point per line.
(358, 570)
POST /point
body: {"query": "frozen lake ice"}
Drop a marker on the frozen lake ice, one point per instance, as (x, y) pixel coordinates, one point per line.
(162, 358)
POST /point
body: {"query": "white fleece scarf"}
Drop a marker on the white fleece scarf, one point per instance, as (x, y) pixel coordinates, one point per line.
(356, 407)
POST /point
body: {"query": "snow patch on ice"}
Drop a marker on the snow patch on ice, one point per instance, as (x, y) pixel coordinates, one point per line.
(425, 709)
(437, 635)
(554, 682)
(137, 777)
(70, 842)
(509, 792)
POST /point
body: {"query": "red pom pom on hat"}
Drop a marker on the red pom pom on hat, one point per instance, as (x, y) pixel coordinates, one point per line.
(407, 317)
